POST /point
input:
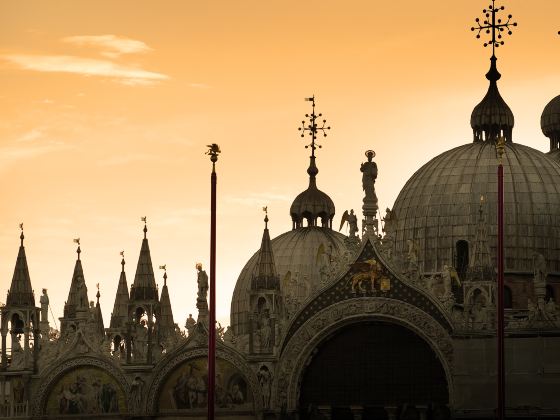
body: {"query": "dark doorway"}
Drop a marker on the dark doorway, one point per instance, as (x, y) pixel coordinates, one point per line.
(372, 365)
(462, 263)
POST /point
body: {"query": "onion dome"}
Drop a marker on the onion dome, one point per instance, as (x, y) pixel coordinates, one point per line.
(312, 204)
(550, 123)
(492, 117)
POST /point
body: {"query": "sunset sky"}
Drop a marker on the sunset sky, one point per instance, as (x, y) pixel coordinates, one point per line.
(106, 107)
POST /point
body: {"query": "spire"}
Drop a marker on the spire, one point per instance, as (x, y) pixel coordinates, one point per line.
(492, 117)
(312, 204)
(77, 296)
(144, 285)
(480, 264)
(21, 292)
(265, 276)
(98, 316)
(120, 308)
(166, 313)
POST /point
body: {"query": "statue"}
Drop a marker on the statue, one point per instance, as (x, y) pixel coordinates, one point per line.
(412, 256)
(82, 293)
(140, 341)
(265, 333)
(190, 324)
(44, 300)
(352, 221)
(265, 380)
(369, 175)
(18, 354)
(202, 280)
(136, 388)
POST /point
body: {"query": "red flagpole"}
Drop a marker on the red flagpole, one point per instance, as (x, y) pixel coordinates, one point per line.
(500, 333)
(213, 152)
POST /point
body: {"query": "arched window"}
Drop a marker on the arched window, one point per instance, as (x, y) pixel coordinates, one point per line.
(462, 253)
(508, 298)
(549, 294)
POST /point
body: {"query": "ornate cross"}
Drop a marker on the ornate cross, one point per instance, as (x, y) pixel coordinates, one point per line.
(493, 26)
(312, 128)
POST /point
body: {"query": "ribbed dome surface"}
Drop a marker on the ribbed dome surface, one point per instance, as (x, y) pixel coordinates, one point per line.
(438, 206)
(295, 251)
(492, 111)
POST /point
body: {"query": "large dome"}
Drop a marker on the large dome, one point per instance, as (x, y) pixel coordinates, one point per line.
(439, 206)
(300, 252)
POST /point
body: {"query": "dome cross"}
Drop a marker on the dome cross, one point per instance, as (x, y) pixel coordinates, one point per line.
(312, 128)
(493, 26)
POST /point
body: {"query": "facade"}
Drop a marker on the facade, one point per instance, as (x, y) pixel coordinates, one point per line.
(397, 321)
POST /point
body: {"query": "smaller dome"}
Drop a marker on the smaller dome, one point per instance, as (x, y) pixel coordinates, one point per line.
(492, 117)
(550, 122)
(312, 204)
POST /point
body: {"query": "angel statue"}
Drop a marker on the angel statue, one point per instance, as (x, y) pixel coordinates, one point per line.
(352, 221)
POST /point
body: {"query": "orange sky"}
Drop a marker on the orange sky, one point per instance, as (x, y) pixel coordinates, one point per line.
(107, 107)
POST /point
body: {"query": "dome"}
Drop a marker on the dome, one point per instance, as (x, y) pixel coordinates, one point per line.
(300, 252)
(312, 204)
(550, 123)
(438, 206)
(492, 116)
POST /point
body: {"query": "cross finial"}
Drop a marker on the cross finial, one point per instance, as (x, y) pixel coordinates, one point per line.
(312, 128)
(144, 219)
(21, 237)
(493, 26)
(265, 209)
(78, 251)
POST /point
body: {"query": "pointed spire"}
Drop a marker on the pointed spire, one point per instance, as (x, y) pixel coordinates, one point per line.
(144, 285)
(77, 296)
(98, 316)
(480, 264)
(21, 292)
(166, 323)
(120, 308)
(265, 275)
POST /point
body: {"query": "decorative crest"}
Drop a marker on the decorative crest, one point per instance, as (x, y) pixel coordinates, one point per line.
(163, 267)
(213, 151)
(493, 26)
(312, 128)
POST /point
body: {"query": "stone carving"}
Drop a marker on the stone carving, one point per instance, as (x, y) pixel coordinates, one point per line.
(44, 301)
(265, 332)
(352, 221)
(412, 258)
(265, 381)
(369, 175)
(478, 315)
(18, 354)
(190, 324)
(140, 339)
(202, 280)
(298, 349)
(136, 395)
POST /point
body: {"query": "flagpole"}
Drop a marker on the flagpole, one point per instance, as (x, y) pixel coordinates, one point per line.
(213, 151)
(500, 148)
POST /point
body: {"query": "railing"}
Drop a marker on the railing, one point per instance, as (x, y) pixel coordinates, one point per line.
(14, 410)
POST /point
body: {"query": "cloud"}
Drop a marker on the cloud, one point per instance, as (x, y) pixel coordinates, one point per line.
(112, 46)
(12, 154)
(199, 86)
(256, 200)
(126, 159)
(31, 135)
(87, 67)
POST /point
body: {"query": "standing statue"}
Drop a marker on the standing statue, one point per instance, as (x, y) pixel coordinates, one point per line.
(190, 324)
(44, 300)
(369, 174)
(202, 280)
(136, 388)
(539, 269)
(352, 221)
(265, 380)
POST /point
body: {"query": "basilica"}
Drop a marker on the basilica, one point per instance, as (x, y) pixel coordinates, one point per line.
(396, 320)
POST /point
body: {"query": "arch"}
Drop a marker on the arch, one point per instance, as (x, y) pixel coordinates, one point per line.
(171, 368)
(373, 364)
(108, 372)
(298, 350)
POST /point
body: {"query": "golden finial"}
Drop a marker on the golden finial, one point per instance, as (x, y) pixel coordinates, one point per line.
(163, 267)
(500, 147)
